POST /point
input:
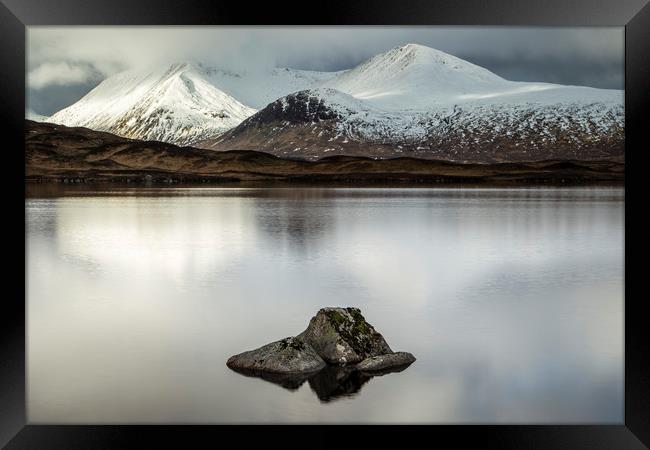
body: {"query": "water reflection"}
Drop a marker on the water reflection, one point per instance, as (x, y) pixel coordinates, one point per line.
(329, 384)
(286, 216)
(335, 382)
(512, 300)
(289, 381)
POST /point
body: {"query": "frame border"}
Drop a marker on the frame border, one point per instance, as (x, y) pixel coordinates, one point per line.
(15, 15)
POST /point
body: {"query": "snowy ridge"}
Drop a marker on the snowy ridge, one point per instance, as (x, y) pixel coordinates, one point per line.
(258, 89)
(173, 105)
(323, 121)
(364, 121)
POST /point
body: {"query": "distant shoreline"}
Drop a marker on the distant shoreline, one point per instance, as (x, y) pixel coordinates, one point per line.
(58, 154)
(138, 182)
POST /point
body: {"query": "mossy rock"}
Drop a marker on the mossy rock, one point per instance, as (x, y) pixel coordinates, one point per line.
(342, 336)
(287, 356)
(390, 361)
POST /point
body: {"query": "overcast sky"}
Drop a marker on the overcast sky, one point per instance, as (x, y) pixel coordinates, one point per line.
(64, 63)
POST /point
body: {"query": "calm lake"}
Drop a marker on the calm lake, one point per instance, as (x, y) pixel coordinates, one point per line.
(511, 299)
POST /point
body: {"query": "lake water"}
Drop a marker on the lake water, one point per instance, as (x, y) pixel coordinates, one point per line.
(511, 300)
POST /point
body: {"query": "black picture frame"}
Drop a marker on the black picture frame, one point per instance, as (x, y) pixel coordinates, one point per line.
(15, 15)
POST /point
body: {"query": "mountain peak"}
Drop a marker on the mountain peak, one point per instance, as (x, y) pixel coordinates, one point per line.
(173, 103)
(417, 76)
(184, 66)
(421, 55)
(416, 48)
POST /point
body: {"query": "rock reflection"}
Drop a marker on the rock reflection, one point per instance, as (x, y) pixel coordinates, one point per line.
(334, 382)
(288, 381)
(329, 384)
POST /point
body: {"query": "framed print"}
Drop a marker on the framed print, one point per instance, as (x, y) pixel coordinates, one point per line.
(351, 222)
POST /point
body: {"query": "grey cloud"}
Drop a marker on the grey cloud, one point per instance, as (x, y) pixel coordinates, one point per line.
(575, 70)
(587, 56)
(49, 100)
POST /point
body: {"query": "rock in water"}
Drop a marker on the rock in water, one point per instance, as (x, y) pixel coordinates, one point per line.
(383, 362)
(290, 355)
(342, 336)
(355, 351)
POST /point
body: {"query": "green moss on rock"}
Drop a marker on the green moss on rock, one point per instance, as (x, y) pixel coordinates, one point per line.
(293, 343)
(353, 328)
(342, 336)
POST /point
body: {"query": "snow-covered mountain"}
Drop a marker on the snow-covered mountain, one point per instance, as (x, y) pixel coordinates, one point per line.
(418, 78)
(175, 104)
(184, 102)
(415, 77)
(409, 101)
(417, 101)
